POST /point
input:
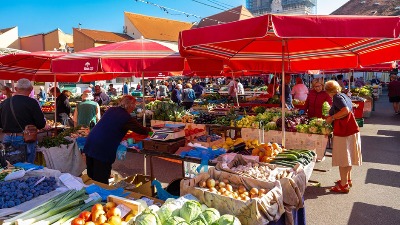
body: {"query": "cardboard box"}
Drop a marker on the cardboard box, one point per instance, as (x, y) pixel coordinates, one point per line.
(86, 179)
(142, 183)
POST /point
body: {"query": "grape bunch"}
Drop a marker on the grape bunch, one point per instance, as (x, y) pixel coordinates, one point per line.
(15, 192)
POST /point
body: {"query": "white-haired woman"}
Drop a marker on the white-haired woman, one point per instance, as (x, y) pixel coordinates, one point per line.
(103, 141)
(346, 151)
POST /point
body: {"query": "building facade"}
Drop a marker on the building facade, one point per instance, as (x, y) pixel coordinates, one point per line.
(261, 7)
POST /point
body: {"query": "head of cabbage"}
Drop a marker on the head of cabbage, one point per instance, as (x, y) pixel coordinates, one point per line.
(175, 220)
(147, 217)
(211, 215)
(190, 210)
(168, 210)
(227, 220)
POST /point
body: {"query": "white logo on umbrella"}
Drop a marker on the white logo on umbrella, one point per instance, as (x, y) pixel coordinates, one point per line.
(87, 66)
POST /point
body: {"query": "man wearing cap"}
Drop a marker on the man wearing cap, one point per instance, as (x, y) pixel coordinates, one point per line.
(87, 112)
(17, 112)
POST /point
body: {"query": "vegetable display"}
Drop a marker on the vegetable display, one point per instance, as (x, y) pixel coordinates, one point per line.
(16, 192)
(183, 212)
(57, 210)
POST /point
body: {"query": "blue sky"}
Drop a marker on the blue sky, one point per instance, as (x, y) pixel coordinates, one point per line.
(42, 16)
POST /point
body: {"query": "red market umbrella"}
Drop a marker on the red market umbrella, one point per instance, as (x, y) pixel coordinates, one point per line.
(30, 65)
(296, 43)
(134, 56)
(304, 43)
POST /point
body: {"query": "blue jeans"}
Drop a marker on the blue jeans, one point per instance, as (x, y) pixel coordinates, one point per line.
(17, 141)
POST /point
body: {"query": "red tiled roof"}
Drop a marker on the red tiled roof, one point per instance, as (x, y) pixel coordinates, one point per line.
(104, 36)
(234, 14)
(369, 8)
(5, 30)
(157, 28)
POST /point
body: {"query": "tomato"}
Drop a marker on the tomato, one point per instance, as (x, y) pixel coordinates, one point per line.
(86, 215)
(78, 221)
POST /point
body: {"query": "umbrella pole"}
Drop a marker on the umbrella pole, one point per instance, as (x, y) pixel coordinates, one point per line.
(283, 100)
(55, 102)
(144, 102)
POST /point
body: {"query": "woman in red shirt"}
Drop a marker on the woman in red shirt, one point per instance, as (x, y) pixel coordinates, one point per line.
(316, 99)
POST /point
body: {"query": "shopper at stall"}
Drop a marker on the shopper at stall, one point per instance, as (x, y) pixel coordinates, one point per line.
(188, 96)
(63, 108)
(240, 88)
(102, 143)
(17, 112)
(176, 95)
(316, 99)
(111, 90)
(100, 97)
(272, 87)
(288, 96)
(375, 81)
(394, 93)
(299, 91)
(346, 151)
(125, 88)
(42, 96)
(138, 87)
(6, 92)
(87, 112)
(341, 83)
(162, 90)
(197, 88)
(58, 92)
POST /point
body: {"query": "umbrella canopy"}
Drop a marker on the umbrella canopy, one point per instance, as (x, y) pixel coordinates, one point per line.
(130, 57)
(309, 42)
(34, 66)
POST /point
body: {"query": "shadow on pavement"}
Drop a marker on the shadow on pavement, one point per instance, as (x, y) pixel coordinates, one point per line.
(367, 214)
(313, 192)
(380, 149)
(390, 133)
(383, 177)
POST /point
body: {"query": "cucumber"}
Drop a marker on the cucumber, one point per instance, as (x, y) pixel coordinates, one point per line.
(286, 156)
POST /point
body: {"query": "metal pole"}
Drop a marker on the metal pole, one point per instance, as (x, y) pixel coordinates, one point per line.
(283, 100)
(143, 103)
(55, 102)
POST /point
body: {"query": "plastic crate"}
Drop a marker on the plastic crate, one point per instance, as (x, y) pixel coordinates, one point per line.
(360, 122)
(358, 111)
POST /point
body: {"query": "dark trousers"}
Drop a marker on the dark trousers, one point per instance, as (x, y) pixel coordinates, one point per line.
(97, 170)
(187, 105)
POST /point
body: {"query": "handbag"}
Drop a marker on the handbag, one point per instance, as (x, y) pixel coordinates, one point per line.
(30, 131)
(345, 126)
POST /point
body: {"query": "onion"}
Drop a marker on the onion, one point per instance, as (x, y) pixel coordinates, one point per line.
(229, 187)
(246, 193)
(213, 190)
(241, 189)
(202, 184)
(222, 190)
(210, 183)
(254, 191)
(221, 184)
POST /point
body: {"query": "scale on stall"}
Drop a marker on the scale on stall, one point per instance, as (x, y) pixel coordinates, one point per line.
(168, 132)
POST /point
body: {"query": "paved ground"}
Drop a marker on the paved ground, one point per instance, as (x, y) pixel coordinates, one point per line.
(375, 196)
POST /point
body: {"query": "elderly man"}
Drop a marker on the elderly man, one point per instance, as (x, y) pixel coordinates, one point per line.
(17, 112)
(103, 141)
(100, 97)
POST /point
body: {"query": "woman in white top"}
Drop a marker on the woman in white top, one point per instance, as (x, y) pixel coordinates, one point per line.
(300, 91)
